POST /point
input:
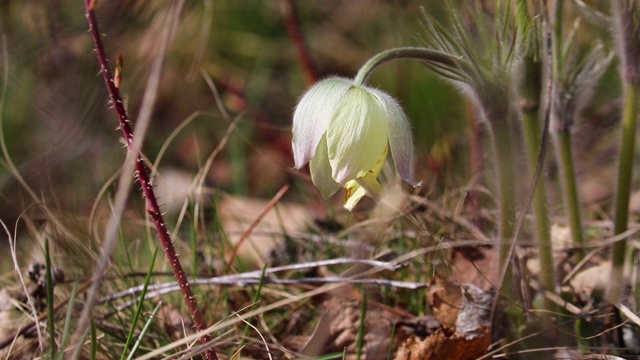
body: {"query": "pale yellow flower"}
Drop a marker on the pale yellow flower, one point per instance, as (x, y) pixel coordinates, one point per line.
(345, 132)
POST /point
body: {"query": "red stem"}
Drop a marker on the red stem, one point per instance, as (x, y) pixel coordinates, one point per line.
(289, 12)
(142, 174)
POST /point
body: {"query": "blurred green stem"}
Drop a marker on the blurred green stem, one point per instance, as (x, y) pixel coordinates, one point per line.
(556, 42)
(623, 192)
(536, 138)
(504, 162)
(563, 136)
(536, 149)
(533, 137)
(570, 187)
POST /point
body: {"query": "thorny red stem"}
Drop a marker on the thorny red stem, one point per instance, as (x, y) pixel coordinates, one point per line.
(142, 175)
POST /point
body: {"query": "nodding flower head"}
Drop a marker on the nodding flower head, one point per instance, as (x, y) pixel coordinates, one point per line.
(345, 131)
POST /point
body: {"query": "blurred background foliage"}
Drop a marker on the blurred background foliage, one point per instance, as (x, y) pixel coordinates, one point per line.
(60, 133)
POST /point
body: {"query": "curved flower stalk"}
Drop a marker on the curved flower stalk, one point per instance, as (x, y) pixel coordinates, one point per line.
(345, 131)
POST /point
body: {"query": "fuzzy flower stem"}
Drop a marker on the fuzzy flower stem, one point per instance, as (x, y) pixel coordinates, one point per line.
(570, 188)
(556, 50)
(142, 172)
(536, 140)
(628, 29)
(540, 208)
(626, 157)
(503, 148)
(623, 193)
(536, 147)
(562, 136)
(417, 53)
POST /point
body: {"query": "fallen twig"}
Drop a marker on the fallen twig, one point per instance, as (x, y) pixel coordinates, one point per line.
(253, 276)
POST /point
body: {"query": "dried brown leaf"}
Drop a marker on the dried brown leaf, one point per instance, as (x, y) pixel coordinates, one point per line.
(173, 322)
(445, 344)
(237, 214)
(445, 299)
(593, 279)
(480, 270)
(338, 331)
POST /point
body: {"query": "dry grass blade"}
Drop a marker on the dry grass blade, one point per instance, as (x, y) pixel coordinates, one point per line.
(259, 334)
(255, 223)
(14, 258)
(633, 317)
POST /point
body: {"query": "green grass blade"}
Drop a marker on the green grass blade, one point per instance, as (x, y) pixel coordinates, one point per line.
(390, 351)
(256, 298)
(144, 330)
(66, 332)
(140, 305)
(362, 326)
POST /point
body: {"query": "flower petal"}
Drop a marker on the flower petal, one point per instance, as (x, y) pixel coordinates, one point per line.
(352, 194)
(357, 135)
(365, 185)
(321, 170)
(313, 114)
(400, 136)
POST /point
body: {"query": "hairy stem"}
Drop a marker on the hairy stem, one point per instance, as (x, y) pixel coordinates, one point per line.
(556, 49)
(562, 131)
(142, 175)
(627, 28)
(543, 228)
(623, 189)
(537, 137)
(569, 186)
(536, 150)
(504, 161)
(417, 53)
